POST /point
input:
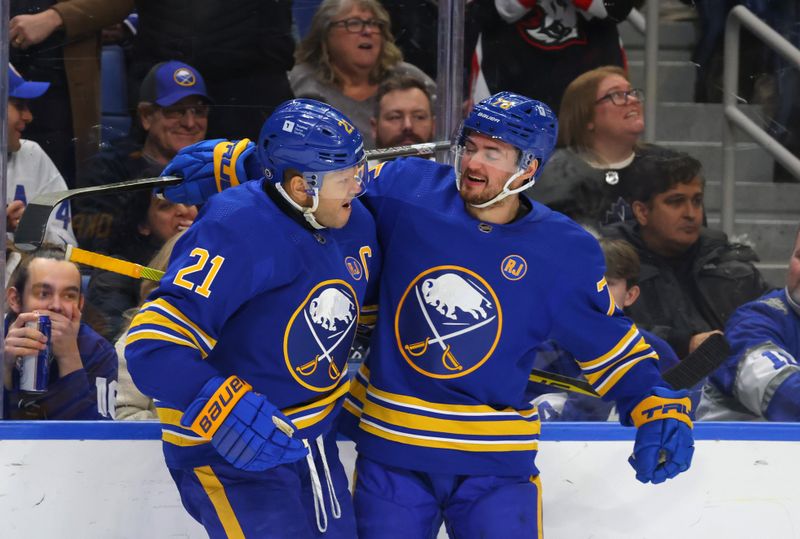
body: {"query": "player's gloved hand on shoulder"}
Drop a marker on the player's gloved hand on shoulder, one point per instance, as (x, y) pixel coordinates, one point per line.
(246, 429)
(209, 167)
(664, 443)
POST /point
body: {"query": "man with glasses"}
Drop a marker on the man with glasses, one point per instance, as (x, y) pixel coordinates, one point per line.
(172, 113)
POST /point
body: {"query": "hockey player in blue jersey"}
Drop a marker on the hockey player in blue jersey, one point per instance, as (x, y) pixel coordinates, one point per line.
(244, 344)
(474, 278)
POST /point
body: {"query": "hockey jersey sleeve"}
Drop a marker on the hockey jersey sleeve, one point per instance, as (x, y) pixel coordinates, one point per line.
(210, 275)
(762, 372)
(610, 350)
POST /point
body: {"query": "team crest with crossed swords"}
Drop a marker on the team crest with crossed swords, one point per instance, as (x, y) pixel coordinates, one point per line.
(448, 322)
(319, 335)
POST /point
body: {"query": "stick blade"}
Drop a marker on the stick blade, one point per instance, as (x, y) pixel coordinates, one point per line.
(705, 359)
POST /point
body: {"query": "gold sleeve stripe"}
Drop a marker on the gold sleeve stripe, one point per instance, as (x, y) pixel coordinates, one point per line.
(313, 419)
(490, 446)
(612, 380)
(158, 319)
(159, 336)
(640, 347)
(350, 407)
(451, 409)
(176, 438)
(358, 391)
(162, 304)
(367, 319)
(330, 398)
(621, 345)
(449, 426)
(170, 416)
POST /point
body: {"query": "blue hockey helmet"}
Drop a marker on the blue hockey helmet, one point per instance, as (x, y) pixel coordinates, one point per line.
(310, 137)
(314, 139)
(527, 124)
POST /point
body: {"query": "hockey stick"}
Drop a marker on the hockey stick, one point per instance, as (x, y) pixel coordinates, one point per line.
(691, 370)
(33, 225)
(123, 267)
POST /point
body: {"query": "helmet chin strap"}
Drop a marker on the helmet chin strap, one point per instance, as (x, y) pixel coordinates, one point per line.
(308, 213)
(506, 192)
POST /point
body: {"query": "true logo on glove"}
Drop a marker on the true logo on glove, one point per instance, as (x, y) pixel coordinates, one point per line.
(219, 406)
(654, 408)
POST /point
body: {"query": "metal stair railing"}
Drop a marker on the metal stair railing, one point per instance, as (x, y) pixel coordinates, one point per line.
(734, 118)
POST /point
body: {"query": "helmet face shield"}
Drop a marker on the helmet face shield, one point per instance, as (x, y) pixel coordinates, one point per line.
(480, 151)
(342, 184)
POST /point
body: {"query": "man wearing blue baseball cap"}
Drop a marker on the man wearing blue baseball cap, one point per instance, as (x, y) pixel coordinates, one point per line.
(172, 113)
(173, 109)
(31, 172)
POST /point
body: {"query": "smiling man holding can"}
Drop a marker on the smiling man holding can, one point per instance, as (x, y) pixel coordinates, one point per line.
(77, 379)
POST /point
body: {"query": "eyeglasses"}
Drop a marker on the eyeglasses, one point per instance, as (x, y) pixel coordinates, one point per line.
(621, 97)
(177, 112)
(356, 25)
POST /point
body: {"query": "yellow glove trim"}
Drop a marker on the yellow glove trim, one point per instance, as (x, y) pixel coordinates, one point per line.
(219, 406)
(655, 408)
(225, 156)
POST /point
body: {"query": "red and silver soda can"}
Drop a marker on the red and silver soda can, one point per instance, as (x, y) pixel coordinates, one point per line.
(35, 368)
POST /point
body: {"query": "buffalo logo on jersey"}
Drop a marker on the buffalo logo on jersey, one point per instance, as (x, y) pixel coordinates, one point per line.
(354, 268)
(184, 77)
(448, 322)
(319, 335)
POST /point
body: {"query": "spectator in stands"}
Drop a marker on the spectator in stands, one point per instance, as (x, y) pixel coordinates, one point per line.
(172, 113)
(144, 224)
(761, 378)
(403, 113)
(59, 42)
(132, 404)
(537, 48)
(622, 276)
(30, 171)
(347, 53)
(243, 48)
(83, 369)
(589, 176)
(692, 277)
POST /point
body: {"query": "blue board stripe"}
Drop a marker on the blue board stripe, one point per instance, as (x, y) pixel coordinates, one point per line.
(566, 432)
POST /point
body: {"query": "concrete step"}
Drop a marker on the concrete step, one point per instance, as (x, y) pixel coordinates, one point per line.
(675, 79)
(671, 35)
(771, 235)
(700, 121)
(755, 197)
(753, 163)
(675, 55)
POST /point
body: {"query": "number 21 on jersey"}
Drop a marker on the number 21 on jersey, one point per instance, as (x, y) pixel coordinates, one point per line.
(202, 267)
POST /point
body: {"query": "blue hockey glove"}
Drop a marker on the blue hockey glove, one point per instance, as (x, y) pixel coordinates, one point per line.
(209, 167)
(243, 425)
(664, 444)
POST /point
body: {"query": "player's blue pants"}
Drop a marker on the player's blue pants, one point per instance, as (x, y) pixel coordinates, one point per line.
(398, 503)
(277, 503)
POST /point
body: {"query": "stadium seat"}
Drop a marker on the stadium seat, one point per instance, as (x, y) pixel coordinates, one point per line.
(115, 120)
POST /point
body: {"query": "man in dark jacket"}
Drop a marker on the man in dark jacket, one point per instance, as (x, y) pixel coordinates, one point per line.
(692, 278)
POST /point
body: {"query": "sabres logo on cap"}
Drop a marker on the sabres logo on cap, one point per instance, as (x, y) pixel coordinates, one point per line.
(319, 334)
(184, 77)
(448, 322)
